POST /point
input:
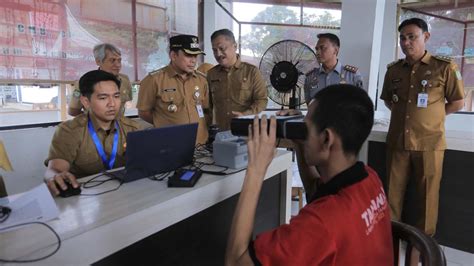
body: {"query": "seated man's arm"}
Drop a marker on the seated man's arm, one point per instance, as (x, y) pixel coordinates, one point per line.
(308, 173)
(261, 150)
(58, 174)
(146, 115)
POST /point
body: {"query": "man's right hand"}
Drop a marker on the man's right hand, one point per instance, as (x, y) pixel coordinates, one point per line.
(288, 112)
(59, 182)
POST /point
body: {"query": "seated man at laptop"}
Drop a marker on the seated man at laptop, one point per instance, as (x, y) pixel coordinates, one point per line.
(347, 222)
(91, 142)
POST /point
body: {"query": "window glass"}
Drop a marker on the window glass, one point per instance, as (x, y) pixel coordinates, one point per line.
(257, 38)
(47, 45)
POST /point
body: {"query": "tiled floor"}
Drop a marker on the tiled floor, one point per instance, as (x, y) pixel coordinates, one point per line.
(457, 257)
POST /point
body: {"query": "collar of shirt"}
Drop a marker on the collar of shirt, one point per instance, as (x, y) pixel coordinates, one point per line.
(237, 65)
(172, 72)
(118, 76)
(425, 59)
(95, 123)
(336, 69)
(344, 179)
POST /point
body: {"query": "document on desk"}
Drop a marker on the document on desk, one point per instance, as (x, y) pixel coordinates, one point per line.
(35, 205)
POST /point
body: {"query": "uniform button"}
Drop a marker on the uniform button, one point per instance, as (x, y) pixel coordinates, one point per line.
(407, 131)
(409, 101)
(408, 116)
(228, 113)
(413, 72)
(411, 86)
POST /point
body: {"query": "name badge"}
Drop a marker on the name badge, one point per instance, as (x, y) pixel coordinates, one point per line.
(199, 110)
(422, 100)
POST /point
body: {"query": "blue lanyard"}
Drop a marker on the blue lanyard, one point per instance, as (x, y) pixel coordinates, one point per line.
(109, 164)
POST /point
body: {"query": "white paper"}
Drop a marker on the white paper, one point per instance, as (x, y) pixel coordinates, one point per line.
(35, 205)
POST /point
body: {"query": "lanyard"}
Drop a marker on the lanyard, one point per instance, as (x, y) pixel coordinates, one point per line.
(109, 164)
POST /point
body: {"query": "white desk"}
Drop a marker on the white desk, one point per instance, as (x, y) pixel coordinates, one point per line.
(95, 227)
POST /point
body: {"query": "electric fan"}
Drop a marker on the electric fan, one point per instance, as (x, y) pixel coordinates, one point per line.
(283, 67)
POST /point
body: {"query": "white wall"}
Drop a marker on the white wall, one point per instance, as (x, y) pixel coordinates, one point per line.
(215, 19)
(27, 150)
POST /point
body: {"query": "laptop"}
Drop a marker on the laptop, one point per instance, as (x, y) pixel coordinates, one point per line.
(157, 150)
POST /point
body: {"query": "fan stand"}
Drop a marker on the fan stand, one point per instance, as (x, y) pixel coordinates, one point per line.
(294, 101)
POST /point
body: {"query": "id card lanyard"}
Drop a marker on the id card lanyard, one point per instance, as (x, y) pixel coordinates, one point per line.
(109, 164)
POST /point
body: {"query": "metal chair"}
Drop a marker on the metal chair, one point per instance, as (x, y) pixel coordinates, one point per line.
(431, 253)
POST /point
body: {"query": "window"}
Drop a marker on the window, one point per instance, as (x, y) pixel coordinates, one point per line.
(45, 46)
(263, 25)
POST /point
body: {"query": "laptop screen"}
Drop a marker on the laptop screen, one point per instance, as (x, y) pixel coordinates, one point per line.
(159, 150)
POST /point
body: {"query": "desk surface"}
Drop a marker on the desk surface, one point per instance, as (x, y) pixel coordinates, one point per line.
(93, 227)
(455, 140)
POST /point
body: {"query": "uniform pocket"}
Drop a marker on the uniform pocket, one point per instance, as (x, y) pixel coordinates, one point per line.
(435, 90)
(168, 97)
(244, 94)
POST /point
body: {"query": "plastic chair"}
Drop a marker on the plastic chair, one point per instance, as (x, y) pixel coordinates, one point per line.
(431, 253)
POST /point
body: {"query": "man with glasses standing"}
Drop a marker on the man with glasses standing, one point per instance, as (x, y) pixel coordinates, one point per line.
(420, 90)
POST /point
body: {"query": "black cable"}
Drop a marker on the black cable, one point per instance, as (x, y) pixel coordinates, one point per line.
(222, 173)
(91, 183)
(37, 259)
(5, 213)
(161, 177)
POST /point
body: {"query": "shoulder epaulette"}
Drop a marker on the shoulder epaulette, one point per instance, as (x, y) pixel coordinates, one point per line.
(123, 76)
(201, 73)
(350, 68)
(394, 63)
(443, 58)
(155, 71)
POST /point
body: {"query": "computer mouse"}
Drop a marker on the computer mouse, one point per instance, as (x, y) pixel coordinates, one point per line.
(70, 191)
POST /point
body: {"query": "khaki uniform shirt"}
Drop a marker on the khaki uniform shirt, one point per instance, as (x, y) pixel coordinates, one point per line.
(240, 89)
(126, 94)
(165, 88)
(416, 128)
(72, 142)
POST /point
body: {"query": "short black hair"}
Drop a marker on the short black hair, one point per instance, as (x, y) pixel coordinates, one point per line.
(223, 32)
(414, 21)
(175, 49)
(88, 81)
(331, 37)
(346, 109)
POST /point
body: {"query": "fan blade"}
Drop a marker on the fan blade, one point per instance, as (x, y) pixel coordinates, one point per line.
(298, 54)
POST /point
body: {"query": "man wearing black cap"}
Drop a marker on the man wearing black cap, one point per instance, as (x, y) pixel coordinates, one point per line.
(177, 93)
